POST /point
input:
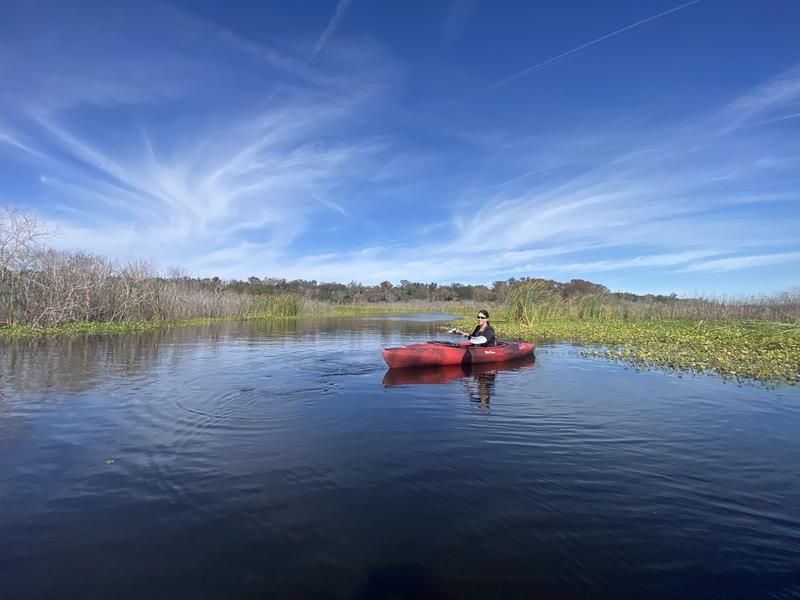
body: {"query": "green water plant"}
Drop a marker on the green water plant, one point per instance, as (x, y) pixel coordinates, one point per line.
(275, 305)
(759, 350)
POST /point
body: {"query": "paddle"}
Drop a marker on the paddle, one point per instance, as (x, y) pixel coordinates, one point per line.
(477, 340)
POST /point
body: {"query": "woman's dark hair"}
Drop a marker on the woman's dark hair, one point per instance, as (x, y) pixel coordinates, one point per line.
(484, 312)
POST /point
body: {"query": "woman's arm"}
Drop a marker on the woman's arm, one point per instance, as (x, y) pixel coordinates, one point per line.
(491, 338)
(473, 338)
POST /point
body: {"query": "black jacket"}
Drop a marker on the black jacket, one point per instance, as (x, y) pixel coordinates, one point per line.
(488, 333)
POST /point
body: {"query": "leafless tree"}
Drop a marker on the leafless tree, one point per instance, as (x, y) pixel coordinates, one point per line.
(21, 239)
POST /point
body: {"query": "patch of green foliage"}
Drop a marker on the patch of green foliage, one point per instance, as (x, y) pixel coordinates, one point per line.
(761, 350)
(328, 310)
(276, 306)
(97, 327)
(262, 307)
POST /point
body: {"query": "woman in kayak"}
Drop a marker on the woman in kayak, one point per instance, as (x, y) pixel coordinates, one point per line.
(483, 334)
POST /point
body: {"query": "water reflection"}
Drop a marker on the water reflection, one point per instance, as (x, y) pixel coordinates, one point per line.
(234, 443)
(73, 364)
(44, 366)
(480, 378)
(482, 387)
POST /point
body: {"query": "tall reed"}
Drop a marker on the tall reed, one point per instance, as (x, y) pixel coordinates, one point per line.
(532, 301)
(275, 305)
(59, 287)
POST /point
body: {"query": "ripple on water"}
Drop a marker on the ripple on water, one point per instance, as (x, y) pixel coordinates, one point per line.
(248, 444)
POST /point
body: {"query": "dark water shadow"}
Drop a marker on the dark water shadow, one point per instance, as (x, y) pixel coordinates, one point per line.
(399, 581)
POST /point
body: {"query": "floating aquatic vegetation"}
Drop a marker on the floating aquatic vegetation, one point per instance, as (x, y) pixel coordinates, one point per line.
(761, 350)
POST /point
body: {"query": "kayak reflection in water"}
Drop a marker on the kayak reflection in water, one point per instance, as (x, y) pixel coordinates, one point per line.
(481, 387)
(480, 378)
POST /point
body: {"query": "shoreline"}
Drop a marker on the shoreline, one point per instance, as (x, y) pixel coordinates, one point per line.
(764, 351)
(118, 327)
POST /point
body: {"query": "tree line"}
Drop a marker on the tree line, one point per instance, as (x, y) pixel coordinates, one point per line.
(43, 286)
(408, 291)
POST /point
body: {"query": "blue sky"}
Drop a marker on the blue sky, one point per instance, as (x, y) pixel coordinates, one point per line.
(649, 145)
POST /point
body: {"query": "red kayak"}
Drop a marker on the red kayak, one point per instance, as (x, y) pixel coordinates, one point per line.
(436, 354)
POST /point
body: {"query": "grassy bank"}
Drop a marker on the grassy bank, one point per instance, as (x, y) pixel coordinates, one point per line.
(102, 328)
(533, 301)
(117, 327)
(265, 307)
(324, 309)
(760, 350)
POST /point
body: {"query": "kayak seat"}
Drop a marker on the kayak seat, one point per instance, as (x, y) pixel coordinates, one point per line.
(450, 344)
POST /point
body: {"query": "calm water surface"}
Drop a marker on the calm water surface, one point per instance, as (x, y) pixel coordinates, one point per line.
(275, 459)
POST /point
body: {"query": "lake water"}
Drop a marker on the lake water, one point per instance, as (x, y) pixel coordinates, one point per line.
(281, 459)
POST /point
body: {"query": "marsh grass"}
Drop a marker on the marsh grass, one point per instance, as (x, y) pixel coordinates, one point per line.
(326, 309)
(759, 350)
(755, 338)
(102, 327)
(276, 305)
(287, 306)
(532, 301)
(257, 307)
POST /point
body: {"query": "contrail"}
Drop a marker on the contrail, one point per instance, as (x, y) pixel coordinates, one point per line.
(582, 46)
(332, 25)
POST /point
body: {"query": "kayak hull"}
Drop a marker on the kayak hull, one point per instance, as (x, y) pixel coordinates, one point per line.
(438, 354)
(449, 373)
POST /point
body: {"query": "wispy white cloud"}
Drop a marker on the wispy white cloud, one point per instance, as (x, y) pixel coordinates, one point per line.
(458, 16)
(637, 262)
(271, 174)
(280, 167)
(684, 195)
(778, 93)
(13, 142)
(334, 206)
(602, 38)
(744, 262)
(333, 24)
(238, 179)
(406, 164)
